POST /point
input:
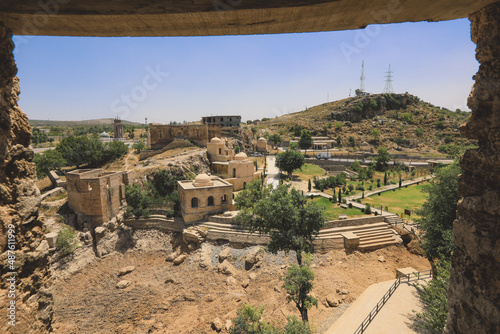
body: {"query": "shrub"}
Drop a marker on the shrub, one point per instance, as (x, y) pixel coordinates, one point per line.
(66, 240)
(350, 205)
(368, 210)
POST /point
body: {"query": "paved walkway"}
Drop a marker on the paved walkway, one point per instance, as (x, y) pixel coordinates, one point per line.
(273, 173)
(394, 317)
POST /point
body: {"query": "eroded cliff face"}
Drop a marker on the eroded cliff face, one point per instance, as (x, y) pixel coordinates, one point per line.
(474, 301)
(19, 202)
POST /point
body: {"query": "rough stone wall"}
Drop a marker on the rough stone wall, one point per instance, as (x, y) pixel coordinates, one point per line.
(474, 294)
(19, 202)
(160, 135)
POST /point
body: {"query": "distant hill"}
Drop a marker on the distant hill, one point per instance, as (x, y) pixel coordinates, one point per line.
(403, 121)
(89, 122)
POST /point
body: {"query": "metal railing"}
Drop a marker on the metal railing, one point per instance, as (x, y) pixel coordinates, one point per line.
(369, 318)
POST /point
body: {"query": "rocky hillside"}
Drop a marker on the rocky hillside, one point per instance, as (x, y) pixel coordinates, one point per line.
(403, 121)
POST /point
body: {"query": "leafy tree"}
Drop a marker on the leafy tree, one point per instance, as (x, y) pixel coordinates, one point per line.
(139, 146)
(38, 136)
(289, 161)
(163, 182)
(290, 220)
(298, 284)
(294, 146)
(434, 297)
(407, 117)
(440, 125)
(253, 192)
(439, 211)
(340, 196)
(236, 149)
(351, 141)
(248, 321)
(47, 161)
(254, 130)
(339, 140)
(275, 139)
(305, 141)
(309, 185)
(137, 201)
(297, 130)
(76, 150)
(112, 151)
(382, 159)
(376, 135)
(419, 132)
(399, 141)
(65, 241)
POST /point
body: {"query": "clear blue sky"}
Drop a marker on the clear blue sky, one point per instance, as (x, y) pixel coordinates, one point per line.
(183, 78)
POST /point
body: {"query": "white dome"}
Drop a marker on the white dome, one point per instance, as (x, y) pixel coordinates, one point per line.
(240, 156)
(202, 180)
(262, 139)
(104, 135)
(215, 140)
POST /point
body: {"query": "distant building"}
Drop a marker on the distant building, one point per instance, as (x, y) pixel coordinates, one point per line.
(261, 145)
(117, 129)
(224, 121)
(96, 193)
(218, 151)
(105, 137)
(160, 135)
(319, 143)
(204, 196)
(239, 172)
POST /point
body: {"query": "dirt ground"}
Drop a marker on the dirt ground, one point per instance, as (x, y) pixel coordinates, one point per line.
(165, 298)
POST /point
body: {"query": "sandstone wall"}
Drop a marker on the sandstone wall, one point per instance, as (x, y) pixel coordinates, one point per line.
(474, 294)
(19, 202)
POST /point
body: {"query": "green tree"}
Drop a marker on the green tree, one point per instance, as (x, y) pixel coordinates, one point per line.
(351, 141)
(289, 161)
(291, 222)
(399, 141)
(305, 141)
(294, 146)
(339, 140)
(137, 201)
(65, 241)
(338, 126)
(275, 139)
(376, 135)
(139, 146)
(253, 192)
(382, 159)
(434, 297)
(39, 136)
(297, 130)
(439, 211)
(298, 284)
(236, 149)
(47, 161)
(419, 132)
(385, 178)
(254, 130)
(248, 321)
(112, 151)
(309, 185)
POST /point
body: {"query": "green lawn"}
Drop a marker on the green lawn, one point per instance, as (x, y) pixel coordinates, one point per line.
(309, 171)
(332, 210)
(400, 199)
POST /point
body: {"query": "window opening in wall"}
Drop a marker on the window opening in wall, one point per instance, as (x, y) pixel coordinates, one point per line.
(224, 199)
(194, 202)
(210, 201)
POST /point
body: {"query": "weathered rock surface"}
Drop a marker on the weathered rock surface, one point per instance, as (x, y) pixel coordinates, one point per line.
(226, 268)
(178, 260)
(123, 284)
(126, 270)
(19, 203)
(475, 272)
(225, 254)
(217, 324)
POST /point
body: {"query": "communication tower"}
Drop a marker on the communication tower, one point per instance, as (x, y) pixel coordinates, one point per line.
(388, 82)
(362, 79)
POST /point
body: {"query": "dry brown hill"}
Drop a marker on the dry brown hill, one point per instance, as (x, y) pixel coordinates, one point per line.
(403, 121)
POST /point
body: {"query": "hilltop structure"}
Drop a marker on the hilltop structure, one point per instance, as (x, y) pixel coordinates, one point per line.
(117, 129)
(223, 121)
(160, 135)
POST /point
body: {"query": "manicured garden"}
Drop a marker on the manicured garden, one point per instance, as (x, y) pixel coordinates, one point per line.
(332, 210)
(405, 198)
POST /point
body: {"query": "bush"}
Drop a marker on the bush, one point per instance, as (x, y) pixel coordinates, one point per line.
(350, 205)
(368, 210)
(66, 240)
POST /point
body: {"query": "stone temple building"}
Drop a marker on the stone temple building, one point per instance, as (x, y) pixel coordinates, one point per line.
(224, 121)
(160, 135)
(95, 193)
(235, 169)
(261, 145)
(205, 195)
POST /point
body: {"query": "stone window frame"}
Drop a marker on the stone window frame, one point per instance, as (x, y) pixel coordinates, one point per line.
(210, 201)
(195, 203)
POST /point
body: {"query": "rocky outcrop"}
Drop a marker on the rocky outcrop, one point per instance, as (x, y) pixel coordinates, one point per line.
(19, 202)
(473, 295)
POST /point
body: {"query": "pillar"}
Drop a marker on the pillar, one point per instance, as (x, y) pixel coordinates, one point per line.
(19, 203)
(474, 293)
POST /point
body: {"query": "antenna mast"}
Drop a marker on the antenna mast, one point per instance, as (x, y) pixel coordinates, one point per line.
(362, 79)
(388, 82)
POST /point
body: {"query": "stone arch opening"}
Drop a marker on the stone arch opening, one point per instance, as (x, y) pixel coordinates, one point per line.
(194, 202)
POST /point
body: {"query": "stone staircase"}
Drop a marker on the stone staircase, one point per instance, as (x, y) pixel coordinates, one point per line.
(371, 236)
